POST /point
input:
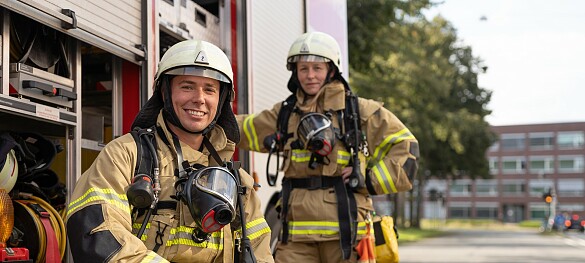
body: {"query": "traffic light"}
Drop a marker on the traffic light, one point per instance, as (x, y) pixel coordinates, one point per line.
(547, 197)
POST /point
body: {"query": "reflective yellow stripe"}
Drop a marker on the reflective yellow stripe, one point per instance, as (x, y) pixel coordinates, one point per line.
(153, 257)
(183, 236)
(319, 227)
(384, 177)
(301, 156)
(256, 228)
(95, 194)
(136, 227)
(393, 139)
(250, 132)
(343, 158)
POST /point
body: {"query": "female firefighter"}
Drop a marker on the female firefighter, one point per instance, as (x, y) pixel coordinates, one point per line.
(337, 150)
(191, 205)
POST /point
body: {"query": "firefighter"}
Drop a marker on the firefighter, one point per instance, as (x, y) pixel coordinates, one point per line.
(337, 151)
(190, 209)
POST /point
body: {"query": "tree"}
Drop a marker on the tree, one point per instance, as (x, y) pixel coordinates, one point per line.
(422, 73)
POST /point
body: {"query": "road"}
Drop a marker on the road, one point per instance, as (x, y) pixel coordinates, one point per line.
(488, 246)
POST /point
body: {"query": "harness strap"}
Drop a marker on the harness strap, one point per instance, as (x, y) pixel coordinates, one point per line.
(144, 163)
(346, 207)
(346, 223)
(286, 189)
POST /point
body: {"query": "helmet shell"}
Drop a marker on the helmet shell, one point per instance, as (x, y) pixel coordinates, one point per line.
(8, 171)
(314, 44)
(197, 54)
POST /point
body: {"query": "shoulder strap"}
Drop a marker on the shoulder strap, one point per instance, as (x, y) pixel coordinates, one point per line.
(144, 162)
(286, 110)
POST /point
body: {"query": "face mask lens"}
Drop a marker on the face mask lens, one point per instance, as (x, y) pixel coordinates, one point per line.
(218, 182)
(316, 134)
(211, 195)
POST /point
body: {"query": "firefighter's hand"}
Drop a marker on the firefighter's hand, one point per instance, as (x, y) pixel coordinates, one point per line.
(270, 142)
(345, 173)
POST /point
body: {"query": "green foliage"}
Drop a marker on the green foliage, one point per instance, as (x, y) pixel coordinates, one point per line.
(422, 73)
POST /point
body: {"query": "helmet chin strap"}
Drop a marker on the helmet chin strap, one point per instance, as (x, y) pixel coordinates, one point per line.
(170, 115)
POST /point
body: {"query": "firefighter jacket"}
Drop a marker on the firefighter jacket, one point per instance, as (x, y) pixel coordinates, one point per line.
(392, 161)
(100, 223)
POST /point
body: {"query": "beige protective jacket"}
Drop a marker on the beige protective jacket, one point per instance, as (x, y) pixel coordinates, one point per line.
(392, 160)
(100, 224)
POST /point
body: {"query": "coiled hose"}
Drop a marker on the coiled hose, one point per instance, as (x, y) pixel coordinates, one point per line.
(56, 220)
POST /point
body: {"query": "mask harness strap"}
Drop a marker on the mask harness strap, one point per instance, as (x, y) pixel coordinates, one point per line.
(275, 142)
(244, 251)
(243, 247)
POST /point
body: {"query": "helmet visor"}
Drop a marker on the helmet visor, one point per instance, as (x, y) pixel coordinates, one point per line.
(219, 182)
(200, 72)
(307, 58)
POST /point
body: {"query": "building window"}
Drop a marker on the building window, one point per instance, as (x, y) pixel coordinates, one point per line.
(486, 210)
(538, 187)
(570, 140)
(571, 207)
(494, 147)
(513, 164)
(541, 164)
(571, 187)
(541, 141)
(571, 164)
(513, 188)
(460, 210)
(460, 188)
(512, 142)
(493, 162)
(538, 210)
(486, 188)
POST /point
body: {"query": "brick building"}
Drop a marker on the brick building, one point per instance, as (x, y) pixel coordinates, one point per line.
(526, 161)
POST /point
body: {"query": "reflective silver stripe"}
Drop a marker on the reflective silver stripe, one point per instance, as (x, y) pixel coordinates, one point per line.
(319, 228)
(343, 158)
(250, 133)
(389, 141)
(94, 195)
(183, 236)
(152, 257)
(384, 177)
(136, 227)
(301, 156)
(256, 228)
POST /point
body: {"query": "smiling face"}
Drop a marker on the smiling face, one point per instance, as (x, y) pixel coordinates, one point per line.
(312, 76)
(195, 100)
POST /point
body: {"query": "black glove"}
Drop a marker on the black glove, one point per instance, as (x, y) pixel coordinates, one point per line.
(271, 142)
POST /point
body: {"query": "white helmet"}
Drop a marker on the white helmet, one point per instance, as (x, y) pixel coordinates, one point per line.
(314, 47)
(9, 171)
(197, 58)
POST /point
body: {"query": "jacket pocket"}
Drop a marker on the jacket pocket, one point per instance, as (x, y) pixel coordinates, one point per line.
(158, 233)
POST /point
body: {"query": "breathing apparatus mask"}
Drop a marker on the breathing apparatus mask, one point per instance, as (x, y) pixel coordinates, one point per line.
(211, 194)
(316, 133)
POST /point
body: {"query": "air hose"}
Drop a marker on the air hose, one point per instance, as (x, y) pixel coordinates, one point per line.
(31, 204)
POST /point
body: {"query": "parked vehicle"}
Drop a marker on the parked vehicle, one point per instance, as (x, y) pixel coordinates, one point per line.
(575, 222)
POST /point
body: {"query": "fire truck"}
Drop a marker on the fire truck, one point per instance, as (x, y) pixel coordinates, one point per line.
(76, 73)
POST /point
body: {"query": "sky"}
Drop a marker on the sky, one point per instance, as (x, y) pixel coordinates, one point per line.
(535, 53)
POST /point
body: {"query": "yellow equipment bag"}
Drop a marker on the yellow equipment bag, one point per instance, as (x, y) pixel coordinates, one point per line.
(386, 240)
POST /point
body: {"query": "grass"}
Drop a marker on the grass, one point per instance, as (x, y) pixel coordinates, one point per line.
(433, 228)
(414, 234)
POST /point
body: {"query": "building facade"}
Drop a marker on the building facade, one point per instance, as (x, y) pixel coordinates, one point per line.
(526, 162)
